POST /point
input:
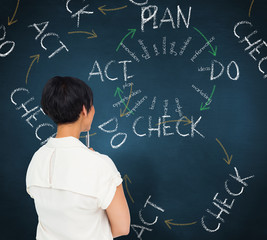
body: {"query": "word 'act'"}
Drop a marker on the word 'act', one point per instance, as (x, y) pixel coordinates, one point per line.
(40, 27)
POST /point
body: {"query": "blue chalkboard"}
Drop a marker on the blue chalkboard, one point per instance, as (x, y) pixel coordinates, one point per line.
(180, 98)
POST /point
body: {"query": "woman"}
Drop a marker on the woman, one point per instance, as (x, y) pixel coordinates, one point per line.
(77, 192)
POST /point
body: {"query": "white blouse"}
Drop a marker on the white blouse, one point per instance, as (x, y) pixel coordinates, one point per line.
(71, 186)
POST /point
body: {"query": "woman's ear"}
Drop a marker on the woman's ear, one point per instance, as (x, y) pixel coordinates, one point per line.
(84, 111)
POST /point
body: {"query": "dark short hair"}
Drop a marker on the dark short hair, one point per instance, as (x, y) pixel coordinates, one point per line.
(63, 99)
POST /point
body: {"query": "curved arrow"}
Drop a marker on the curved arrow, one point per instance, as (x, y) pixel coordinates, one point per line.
(36, 58)
(205, 106)
(214, 51)
(250, 8)
(92, 34)
(123, 114)
(131, 31)
(119, 91)
(101, 9)
(125, 178)
(90, 135)
(169, 223)
(10, 22)
(228, 161)
(187, 121)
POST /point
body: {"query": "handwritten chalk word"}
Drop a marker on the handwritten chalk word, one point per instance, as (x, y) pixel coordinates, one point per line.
(153, 103)
(202, 94)
(6, 51)
(111, 126)
(156, 50)
(224, 206)
(186, 43)
(137, 104)
(197, 53)
(165, 106)
(162, 122)
(172, 52)
(142, 228)
(125, 85)
(118, 93)
(149, 13)
(232, 63)
(115, 123)
(31, 112)
(78, 13)
(256, 44)
(146, 54)
(117, 104)
(213, 50)
(40, 27)
(96, 71)
(132, 54)
(164, 45)
(178, 109)
(203, 69)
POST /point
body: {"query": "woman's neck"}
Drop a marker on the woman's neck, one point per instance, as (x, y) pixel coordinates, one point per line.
(70, 129)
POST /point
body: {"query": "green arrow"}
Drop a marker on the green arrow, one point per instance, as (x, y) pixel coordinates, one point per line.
(214, 51)
(205, 106)
(131, 31)
(119, 91)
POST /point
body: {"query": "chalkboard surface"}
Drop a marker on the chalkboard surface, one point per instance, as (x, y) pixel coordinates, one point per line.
(180, 98)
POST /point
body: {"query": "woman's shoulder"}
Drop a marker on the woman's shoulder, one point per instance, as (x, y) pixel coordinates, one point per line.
(102, 159)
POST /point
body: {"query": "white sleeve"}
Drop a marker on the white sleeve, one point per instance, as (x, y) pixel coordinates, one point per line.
(110, 179)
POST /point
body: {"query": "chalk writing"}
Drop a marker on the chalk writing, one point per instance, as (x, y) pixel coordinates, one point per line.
(156, 49)
(157, 129)
(258, 44)
(11, 43)
(78, 13)
(115, 120)
(131, 32)
(51, 34)
(232, 63)
(137, 104)
(149, 13)
(202, 93)
(153, 103)
(31, 112)
(197, 53)
(203, 69)
(117, 104)
(224, 206)
(172, 52)
(146, 55)
(204, 106)
(178, 109)
(214, 51)
(132, 54)
(184, 47)
(96, 71)
(145, 222)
